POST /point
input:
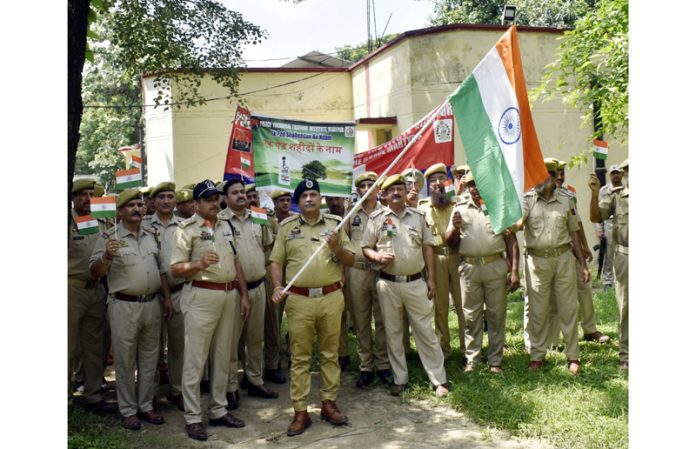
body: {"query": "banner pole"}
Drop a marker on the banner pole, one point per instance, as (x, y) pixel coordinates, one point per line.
(356, 206)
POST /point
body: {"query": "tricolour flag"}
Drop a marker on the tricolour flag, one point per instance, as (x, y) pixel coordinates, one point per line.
(492, 112)
(126, 179)
(259, 215)
(103, 207)
(246, 163)
(601, 149)
(449, 188)
(136, 162)
(87, 224)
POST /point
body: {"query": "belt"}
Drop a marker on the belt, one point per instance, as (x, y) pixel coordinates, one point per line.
(176, 288)
(361, 266)
(314, 292)
(481, 260)
(83, 284)
(622, 249)
(397, 278)
(555, 252)
(252, 285)
(225, 286)
(443, 250)
(133, 298)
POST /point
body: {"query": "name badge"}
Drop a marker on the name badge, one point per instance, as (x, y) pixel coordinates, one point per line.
(79, 237)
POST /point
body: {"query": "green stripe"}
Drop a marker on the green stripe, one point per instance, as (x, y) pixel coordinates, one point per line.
(103, 214)
(127, 185)
(484, 156)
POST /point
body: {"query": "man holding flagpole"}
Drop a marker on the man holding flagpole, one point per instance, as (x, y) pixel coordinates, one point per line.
(315, 301)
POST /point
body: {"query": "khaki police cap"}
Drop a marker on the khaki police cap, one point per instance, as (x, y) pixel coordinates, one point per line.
(219, 185)
(189, 186)
(367, 176)
(279, 193)
(393, 180)
(98, 190)
(468, 178)
(127, 195)
(82, 184)
(551, 164)
(145, 190)
(184, 195)
(562, 165)
(435, 168)
(462, 169)
(624, 165)
(413, 175)
(162, 187)
(615, 168)
(249, 187)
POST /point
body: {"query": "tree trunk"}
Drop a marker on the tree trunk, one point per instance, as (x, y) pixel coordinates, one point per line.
(78, 10)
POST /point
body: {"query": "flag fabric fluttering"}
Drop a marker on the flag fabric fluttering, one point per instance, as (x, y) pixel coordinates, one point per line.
(86, 224)
(136, 162)
(449, 188)
(491, 109)
(126, 179)
(601, 149)
(103, 207)
(259, 215)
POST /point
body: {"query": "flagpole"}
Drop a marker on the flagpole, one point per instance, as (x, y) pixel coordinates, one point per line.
(381, 177)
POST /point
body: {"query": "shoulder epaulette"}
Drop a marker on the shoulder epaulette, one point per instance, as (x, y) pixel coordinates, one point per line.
(423, 201)
(615, 189)
(333, 217)
(375, 213)
(565, 192)
(418, 211)
(187, 222)
(530, 193)
(289, 219)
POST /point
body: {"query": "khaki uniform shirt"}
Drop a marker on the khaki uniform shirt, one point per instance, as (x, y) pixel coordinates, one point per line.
(437, 219)
(616, 204)
(134, 269)
(251, 238)
(409, 233)
(296, 242)
(80, 249)
(357, 228)
(165, 238)
(548, 225)
(477, 237)
(193, 238)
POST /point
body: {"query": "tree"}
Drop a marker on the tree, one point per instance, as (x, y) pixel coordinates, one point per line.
(179, 40)
(314, 170)
(548, 13)
(355, 53)
(591, 69)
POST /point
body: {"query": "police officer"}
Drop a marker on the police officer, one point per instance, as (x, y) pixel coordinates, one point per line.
(604, 228)
(86, 303)
(252, 239)
(149, 202)
(163, 223)
(315, 302)
(616, 204)
(551, 233)
(252, 196)
(399, 240)
(204, 252)
(414, 184)
(185, 207)
(484, 272)
(361, 294)
(438, 210)
(459, 172)
(128, 256)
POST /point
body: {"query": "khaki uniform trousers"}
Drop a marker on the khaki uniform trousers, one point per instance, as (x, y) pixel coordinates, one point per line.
(485, 284)
(247, 342)
(585, 310)
(397, 299)
(135, 341)
(208, 324)
(343, 347)
(272, 341)
(308, 316)
(552, 280)
(86, 327)
(362, 299)
(608, 267)
(175, 344)
(621, 287)
(447, 280)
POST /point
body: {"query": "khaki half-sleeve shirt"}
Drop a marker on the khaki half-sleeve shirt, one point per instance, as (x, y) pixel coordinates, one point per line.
(80, 248)
(616, 204)
(477, 237)
(548, 224)
(251, 239)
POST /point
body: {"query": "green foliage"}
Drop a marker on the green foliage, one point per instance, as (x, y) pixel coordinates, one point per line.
(592, 68)
(355, 53)
(314, 170)
(548, 13)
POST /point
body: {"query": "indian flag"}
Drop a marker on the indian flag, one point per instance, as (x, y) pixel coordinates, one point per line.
(126, 179)
(390, 228)
(136, 162)
(246, 162)
(103, 207)
(86, 224)
(449, 188)
(259, 215)
(601, 149)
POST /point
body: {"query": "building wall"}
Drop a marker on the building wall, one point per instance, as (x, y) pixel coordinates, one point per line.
(158, 137)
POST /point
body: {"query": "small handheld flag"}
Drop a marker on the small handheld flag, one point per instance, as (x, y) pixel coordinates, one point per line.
(126, 179)
(87, 225)
(103, 207)
(601, 149)
(259, 215)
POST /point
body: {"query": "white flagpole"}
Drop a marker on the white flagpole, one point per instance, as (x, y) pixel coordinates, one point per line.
(356, 206)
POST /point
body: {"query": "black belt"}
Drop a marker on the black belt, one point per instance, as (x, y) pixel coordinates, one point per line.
(391, 277)
(133, 298)
(252, 285)
(176, 288)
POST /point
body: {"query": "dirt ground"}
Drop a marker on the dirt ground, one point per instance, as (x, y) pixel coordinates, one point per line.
(376, 420)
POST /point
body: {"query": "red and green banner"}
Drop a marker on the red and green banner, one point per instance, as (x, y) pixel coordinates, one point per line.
(240, 157)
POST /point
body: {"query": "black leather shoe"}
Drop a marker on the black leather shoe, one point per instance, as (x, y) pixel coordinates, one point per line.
(227, 420)
(196, 431)
(385, 376)
(102, 407)
(397, 389)
(233, 400)
(365, 379)
(274, 375)
(343, 362)
(261, 391)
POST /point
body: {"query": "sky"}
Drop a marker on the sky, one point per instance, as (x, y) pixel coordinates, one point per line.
(321, 25)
